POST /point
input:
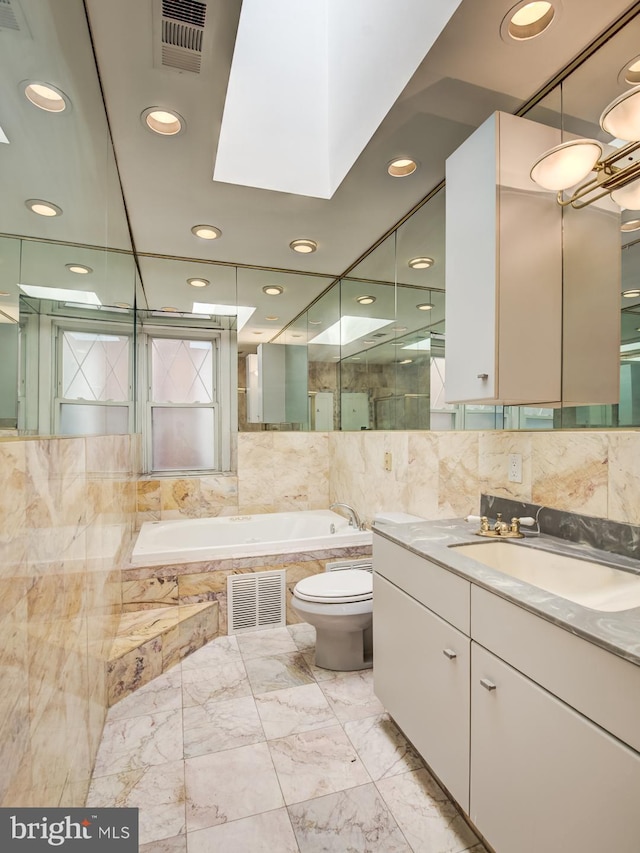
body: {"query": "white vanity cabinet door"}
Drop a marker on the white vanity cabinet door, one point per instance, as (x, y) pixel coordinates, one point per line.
(544, 778)
(421, 676)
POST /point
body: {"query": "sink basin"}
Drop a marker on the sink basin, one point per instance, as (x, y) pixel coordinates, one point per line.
(583, 581)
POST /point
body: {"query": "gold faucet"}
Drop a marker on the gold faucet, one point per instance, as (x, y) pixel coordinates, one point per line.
(500, 529)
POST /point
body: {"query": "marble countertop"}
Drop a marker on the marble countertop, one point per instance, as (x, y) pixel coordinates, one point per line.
(618, 632)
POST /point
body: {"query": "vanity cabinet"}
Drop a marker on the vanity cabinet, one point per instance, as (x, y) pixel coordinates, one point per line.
(421, 676)
(534, 730)
(543, 777)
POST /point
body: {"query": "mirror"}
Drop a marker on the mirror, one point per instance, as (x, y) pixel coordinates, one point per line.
(64, 158)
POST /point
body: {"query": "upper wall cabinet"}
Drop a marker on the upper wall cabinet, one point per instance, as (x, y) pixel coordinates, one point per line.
(511, 326)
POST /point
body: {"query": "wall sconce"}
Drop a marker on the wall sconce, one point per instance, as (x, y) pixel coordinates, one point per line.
(570, 163)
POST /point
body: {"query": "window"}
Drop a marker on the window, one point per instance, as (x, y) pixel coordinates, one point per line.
(183, 410)
(93, 382)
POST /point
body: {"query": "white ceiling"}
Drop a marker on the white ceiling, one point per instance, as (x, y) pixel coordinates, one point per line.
(167, 183)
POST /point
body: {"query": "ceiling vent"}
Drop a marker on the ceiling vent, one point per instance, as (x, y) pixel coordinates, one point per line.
(12, 18)
(178, 34)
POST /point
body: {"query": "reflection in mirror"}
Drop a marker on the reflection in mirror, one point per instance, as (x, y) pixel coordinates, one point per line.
(67, 158)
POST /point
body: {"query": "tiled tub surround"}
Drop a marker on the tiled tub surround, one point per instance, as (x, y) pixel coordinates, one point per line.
(67, 507)
(191, 583)
(248, 746)
(434, 474)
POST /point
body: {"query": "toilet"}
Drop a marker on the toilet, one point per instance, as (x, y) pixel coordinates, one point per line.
(339, 604)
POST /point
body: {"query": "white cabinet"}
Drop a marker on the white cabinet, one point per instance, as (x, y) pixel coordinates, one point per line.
(421, 675)
(532, 729)
(277, 384)
(543, 777)
(529, 287)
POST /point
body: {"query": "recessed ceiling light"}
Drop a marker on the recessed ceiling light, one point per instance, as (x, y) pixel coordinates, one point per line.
(420, 263)
(121, 305)
(164, 122)
(631, 72)
(401, 167)
(4, 293)
(198, 282)
(355, 358)
(399, 328)
(272, 318)
(43, 208)
(314, 322)
(304, 247)
(406, 361)
(79, 269)
(46, 97)
(257, 333)
(631, 294)
(273, 289)
(397, 343)
(527, 20)
(170, 309)
(296, 336)
(206, 232)
(424, 306)
(365, 300)
(369, 342)
(630, 225)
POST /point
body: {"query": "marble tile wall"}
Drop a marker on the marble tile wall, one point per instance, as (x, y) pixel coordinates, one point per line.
(276, 472)
(443, 474)
(434, 474)
(67, 508)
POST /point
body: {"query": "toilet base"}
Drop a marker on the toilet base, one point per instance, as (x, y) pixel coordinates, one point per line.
(344, 651)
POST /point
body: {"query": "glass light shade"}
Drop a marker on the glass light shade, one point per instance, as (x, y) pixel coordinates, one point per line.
(628, 196)
(567, 164)
(622, 117)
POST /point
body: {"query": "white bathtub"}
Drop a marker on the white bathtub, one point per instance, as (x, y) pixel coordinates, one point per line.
(192, 540)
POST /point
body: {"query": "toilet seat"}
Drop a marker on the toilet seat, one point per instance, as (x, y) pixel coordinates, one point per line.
(338, 587)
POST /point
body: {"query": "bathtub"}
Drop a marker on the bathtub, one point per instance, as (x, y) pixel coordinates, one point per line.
(191, 540)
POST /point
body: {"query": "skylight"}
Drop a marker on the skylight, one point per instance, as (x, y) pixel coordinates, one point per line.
(349, 329)
(298, 124)
(242, 312)
(60, 294)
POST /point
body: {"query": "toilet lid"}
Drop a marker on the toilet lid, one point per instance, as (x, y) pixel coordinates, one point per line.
(339, 587)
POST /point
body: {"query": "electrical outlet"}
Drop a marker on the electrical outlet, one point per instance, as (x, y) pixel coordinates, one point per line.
(388, 462)
(515, 467)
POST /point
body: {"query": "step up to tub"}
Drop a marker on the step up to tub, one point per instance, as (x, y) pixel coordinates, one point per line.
(150, 642)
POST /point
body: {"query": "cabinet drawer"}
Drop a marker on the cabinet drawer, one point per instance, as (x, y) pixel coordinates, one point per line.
(445, 593)
(543, 777)
(599, 684)
(421, 676)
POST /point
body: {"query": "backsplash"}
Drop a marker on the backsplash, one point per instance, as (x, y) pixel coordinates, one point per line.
(614, 536)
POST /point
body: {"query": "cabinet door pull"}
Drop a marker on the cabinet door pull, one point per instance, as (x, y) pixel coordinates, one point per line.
(488, 685)
(449, 653)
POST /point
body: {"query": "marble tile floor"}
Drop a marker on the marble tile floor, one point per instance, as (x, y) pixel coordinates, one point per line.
(248, 746)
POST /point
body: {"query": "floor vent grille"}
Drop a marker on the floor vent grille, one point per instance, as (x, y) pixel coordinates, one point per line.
(256, 601)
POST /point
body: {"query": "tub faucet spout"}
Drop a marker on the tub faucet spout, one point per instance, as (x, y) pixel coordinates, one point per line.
(354, 519)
